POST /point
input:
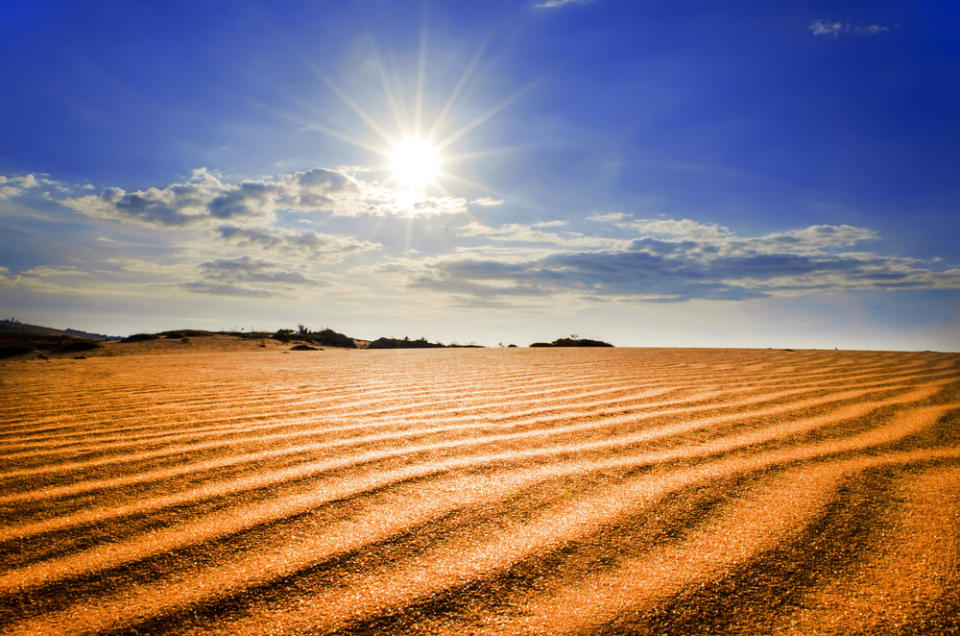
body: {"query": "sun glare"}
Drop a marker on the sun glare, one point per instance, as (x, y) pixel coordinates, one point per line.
(414, 164)
(417, 156)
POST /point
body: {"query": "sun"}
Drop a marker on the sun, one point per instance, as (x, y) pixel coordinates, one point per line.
(415, 164)
(417, 149)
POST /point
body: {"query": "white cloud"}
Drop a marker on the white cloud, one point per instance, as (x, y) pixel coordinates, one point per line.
(673, 260)
(608, 217)
(680, 229)
(15, 186)
(820, 27)
(519, 233)
(44, 271)
(836, 29)
(487, 202)
(207, 199)
(11, 187)
(175, 205)
(244, 239)
(245, 276)
(554, 4)
(720, 240)
(871, 29)
(10, 192)
(283, 243)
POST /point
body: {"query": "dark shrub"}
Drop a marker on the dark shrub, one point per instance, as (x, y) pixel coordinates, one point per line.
(9, 352)
(12, 344)
(572, 342)
(140, 337)
(283, 335)
(75, 346)
(331, 338)
(406, 343)
(185, 333)
(248, 335)
(579, 342)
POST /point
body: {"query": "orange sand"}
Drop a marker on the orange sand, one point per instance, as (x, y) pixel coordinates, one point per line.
(222, 487)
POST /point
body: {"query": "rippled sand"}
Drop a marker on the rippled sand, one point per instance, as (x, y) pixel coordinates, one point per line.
(481, 491)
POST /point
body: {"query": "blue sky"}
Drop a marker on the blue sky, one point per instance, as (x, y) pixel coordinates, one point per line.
(651, 173)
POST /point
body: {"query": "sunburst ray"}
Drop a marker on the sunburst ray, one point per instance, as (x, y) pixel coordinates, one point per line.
(458, 134)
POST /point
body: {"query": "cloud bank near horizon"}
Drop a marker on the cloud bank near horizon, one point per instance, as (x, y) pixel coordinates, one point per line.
(250, 239)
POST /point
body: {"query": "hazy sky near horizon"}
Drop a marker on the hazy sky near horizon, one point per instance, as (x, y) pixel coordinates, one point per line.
(684, 173)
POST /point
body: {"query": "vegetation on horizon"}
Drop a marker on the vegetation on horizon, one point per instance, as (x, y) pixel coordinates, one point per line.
(18, 338)
(572, 341)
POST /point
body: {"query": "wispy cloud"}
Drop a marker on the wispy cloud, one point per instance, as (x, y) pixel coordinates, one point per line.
(245, 276)
(44, 271)
(205, 234)
(836, 29)
(555, 4)
(520, 233)
(487, 202)
(673, 260)
(210, 235)
(300, 244)
(207, 199)
(11, 187)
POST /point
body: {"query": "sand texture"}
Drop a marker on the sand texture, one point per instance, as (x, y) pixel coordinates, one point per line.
(521, 491)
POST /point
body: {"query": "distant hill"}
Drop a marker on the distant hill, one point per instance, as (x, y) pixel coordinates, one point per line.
(15, 343)
(15, 326)
(406, 343)
(572, 342)
(325, 337)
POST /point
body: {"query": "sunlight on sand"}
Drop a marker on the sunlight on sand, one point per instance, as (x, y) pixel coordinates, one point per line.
(481, 491)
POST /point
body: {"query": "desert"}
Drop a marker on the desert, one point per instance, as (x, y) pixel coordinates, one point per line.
(520, 317)
(222, 487)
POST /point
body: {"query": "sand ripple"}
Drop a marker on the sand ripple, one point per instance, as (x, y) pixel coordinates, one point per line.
(470, 491)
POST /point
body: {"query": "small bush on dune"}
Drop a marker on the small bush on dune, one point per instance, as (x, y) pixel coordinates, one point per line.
(140, 337)
(283, 335)
(325, 337)
(572, 342)
(185, 333)
(579, 342)
(9, 352)
(331, 338)
(406, 343)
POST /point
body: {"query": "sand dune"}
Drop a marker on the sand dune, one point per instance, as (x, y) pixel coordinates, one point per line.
(481, 491)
